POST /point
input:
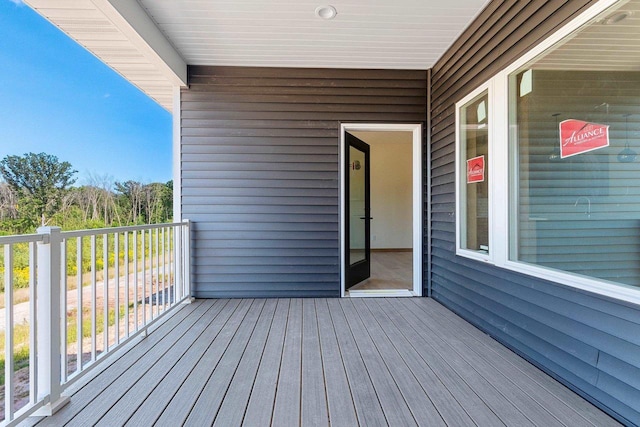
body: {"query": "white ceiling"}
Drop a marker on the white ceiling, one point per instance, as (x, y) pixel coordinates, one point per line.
(149, 42)
(400, 34)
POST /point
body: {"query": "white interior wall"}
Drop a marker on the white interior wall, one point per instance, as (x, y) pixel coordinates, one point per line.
(391, 188)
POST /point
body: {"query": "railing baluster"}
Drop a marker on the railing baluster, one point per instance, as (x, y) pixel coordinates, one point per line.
(116, 286)
(151, 274)
(135, 279)
(126, 283)
(8, 332)
(144, 276)
(172, 263)
(105, 293)
(178, 263)
(186, 260)
(33, 325)
(157, 302)
(94, 298)
(170, 266)
(182, 266)
(79, 313)
(164, 272)
(63, 310)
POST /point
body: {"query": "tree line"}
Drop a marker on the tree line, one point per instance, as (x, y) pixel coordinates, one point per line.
(38, 189)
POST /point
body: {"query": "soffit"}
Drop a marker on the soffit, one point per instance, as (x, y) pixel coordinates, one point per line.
(102, 30)
(377, 34)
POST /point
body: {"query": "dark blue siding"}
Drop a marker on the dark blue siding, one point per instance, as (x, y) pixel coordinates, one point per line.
(589, 342)
(259, 164)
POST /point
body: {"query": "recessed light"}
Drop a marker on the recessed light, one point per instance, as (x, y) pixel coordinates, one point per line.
(326, 12)
(615, 18)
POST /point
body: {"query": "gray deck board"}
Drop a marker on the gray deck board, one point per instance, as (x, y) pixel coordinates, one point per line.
(365, 399)
(342, 412)
(497, 402)
(236, 400)
(260, 408)
(338, 362)
(527, 389)
(152, 371)
(155, 402)
(457, 385)
(206, 407)
(423, 410)
(525, 404)
(314, 400)
(443, 398)
(186, 348)
(492, 350)
(177, 411)
(395, 408)
(286, 411)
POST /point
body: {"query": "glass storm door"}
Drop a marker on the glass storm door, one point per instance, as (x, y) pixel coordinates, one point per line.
(357, 211)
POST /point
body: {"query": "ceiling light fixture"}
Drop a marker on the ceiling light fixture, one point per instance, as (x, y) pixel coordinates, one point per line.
(326, 12)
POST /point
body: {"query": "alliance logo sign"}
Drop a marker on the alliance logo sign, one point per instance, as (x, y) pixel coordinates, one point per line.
(475, 169)
(578, 137)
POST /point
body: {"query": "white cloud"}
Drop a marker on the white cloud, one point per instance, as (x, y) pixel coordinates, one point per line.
(17, 2)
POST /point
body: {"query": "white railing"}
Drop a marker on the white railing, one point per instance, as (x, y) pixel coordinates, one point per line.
(72, 297)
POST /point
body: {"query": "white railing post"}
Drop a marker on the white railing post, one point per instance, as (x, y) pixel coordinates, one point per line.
(48, 318)
(186, 260)
(177, 263)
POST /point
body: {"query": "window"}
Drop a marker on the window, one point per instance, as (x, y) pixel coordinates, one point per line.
(561, 127)
(575, 180)
(473, 177)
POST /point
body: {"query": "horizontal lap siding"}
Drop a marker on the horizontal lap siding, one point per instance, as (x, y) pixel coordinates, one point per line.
(589, 342)
(259, 163)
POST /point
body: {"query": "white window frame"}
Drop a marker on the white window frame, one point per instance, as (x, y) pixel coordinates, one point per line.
(501, 231)
(461, 183)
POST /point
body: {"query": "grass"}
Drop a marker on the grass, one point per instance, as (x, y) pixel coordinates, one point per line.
(21, 349)
(21, 336)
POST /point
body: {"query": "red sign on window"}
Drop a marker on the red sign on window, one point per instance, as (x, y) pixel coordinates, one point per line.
(475, 169)
(578, 137)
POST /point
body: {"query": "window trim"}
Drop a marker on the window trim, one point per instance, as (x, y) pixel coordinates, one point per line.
(460, 163)
(501, 161)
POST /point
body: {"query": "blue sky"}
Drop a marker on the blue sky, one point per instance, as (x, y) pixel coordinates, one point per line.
(57, 98)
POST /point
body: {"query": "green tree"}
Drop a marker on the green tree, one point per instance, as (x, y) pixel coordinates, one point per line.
(40, 181)
(167, 202)
(132, 195)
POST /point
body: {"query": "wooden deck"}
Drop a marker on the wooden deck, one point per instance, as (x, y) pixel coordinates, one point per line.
(311, 362)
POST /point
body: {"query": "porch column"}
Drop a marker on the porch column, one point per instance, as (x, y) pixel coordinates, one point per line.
(48, 321)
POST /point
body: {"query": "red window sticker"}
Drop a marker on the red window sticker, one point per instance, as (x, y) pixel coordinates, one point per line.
(578, 137)
(475, 169)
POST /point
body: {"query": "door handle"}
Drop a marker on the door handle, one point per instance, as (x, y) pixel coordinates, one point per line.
(364, 217)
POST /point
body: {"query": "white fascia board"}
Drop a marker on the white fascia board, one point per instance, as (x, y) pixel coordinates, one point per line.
(132, 20)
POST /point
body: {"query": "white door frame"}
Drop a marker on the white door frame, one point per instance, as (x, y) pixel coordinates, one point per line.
(416, 130)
